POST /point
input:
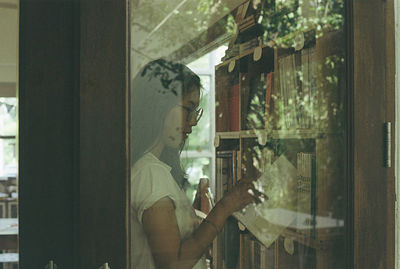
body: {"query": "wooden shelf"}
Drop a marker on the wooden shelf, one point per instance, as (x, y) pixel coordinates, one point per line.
(241, 55)
(228, 135)
(270, 44)
(322, 242)
(277, 134)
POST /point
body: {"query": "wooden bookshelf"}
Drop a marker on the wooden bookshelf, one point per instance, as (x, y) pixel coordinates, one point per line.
(289, 109)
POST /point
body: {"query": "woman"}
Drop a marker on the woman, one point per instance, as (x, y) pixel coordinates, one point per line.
(165, 230)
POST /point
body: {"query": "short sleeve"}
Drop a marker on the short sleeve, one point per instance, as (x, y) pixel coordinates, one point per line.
(148, 186)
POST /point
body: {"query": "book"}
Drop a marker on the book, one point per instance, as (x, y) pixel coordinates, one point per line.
(268, 91)
(234, 102)
(227, 172)
(241, 12)
(297, 89)
(248, 45)
(226, 177)
(259, 105)
(306, 189)
(309, 87)
(255, 103)
(245, 252)
(261, 219)
(288, 85)
(247, 23)
(231, 248)
(260, 256)
(222, 95)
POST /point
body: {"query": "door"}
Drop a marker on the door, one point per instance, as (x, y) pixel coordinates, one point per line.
(373, 181)
(75, 68)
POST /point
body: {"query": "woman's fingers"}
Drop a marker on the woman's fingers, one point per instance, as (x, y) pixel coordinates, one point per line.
(251, 179)
(256, 195)
(259, 197)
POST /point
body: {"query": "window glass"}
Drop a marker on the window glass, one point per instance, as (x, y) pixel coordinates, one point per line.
(195, 168)
(200, 138)
(272, 110)
(202, 63)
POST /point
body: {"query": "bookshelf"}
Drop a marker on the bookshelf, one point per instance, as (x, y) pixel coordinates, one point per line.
(283, 107)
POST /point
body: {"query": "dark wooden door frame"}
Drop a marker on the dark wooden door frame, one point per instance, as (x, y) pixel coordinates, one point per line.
(104, 129)
(73, 133)
(48, 113)
(373, 185)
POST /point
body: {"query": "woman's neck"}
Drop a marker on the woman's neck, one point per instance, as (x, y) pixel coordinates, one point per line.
(157, 148)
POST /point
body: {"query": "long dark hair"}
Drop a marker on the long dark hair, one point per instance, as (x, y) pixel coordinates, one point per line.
(156, 89)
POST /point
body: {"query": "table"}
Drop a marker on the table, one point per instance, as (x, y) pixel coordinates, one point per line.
(8, 233)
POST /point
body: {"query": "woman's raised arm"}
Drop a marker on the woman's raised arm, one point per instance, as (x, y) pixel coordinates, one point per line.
(161, 228)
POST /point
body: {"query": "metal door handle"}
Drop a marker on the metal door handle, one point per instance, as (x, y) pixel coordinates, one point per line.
(105, 266)
(51, 265)
(387, 144)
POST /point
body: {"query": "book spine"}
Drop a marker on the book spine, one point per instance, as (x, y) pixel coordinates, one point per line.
(218, 179)
(313, 177)
(247, 23)
(234, 111)
(222, 112)
(234, 169)
(306, 190)
(268, 92)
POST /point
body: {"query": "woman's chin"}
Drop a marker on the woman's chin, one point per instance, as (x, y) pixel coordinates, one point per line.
(175, 141)
(176, 144)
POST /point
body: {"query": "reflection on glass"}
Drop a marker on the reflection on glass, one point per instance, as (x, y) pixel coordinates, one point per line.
(200, 138)
(195, 168)
(279, 103)
(202, 63)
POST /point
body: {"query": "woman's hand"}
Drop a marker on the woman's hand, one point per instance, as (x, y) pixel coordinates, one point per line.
(202, 199)
(241, 195)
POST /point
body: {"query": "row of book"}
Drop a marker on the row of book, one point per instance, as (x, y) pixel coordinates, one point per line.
(254, 254)
(306, 188)
(249, 45)
(297, 104)
(227, 171)
(301, 201)
(228, 163)
(297, 89)
(259, 106)
(228, 107)
(226, 246)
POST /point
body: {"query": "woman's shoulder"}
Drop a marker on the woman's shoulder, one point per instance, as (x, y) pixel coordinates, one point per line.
(151, 166)
(147, 161)
(150, 175)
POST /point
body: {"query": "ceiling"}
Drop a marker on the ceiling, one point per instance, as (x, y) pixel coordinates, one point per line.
(161, 27)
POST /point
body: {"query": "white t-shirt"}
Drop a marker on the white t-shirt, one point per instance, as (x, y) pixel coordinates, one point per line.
(151, 180)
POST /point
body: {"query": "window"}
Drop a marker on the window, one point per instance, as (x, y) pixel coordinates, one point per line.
(198, 155)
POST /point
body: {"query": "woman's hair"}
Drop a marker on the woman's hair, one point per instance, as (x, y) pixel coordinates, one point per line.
(156, 89)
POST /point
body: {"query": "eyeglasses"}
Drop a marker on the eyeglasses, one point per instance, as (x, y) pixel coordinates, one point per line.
(193, 115)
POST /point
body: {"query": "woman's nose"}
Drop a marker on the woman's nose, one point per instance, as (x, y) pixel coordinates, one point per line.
(192, 123)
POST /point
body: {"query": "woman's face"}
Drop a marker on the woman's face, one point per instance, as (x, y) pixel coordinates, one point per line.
(177, 125)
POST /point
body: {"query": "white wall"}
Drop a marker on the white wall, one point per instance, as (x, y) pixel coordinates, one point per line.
(8, 47)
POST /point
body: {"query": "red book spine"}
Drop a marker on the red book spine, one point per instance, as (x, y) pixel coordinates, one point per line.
(234, 103)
